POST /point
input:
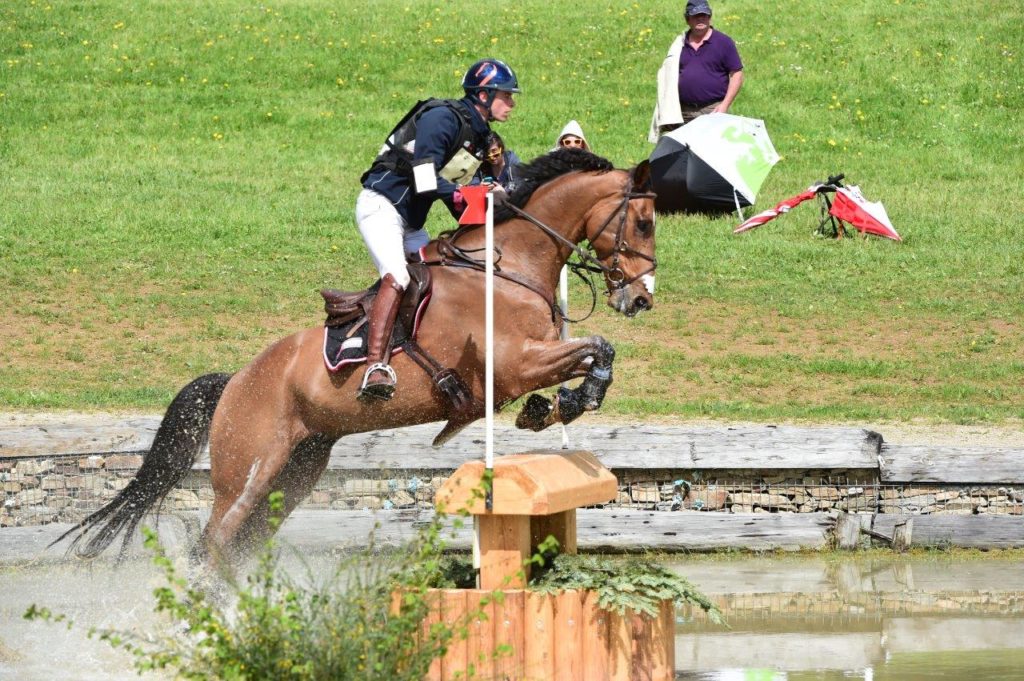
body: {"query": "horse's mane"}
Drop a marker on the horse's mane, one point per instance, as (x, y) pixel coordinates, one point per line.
(545, 168)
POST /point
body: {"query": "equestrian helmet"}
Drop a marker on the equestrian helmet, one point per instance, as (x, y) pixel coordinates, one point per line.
(491, 75)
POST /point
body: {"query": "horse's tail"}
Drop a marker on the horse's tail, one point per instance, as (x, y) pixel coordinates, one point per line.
(182, 433)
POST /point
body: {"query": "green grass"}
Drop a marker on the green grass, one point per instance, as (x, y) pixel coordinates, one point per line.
(177, 179)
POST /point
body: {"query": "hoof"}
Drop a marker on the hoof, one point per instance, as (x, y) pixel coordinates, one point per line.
(535, 413)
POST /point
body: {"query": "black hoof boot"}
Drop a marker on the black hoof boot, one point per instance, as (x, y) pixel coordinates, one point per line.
(534, 414)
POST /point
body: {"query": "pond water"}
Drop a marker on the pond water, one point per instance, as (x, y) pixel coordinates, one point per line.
(791, 619)
(797, 619)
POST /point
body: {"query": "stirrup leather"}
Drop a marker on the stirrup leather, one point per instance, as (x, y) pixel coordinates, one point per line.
(379, 366)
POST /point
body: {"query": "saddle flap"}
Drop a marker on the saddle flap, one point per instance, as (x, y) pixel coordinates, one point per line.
(415, 292)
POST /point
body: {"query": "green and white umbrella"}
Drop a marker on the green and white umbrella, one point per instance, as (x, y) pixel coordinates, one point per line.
(736, 148)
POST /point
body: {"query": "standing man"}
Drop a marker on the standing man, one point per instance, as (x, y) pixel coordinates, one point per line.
(435, 148)
(702, 73)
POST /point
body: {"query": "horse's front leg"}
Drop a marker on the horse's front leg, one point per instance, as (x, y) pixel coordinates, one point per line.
(559, 361)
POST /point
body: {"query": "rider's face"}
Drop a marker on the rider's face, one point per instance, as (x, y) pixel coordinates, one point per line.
(502, 106)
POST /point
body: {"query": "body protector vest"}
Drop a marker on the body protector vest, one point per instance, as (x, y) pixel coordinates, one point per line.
(397, 152)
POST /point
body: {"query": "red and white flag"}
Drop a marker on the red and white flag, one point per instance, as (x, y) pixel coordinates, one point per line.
(779, 209)
(867, 216)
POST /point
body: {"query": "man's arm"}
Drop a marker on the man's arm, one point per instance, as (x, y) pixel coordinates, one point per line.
(435, 133)
(735, 83)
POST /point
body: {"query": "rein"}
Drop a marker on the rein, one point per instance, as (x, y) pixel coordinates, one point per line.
(452, 255)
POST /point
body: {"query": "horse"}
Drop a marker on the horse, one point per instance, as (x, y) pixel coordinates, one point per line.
(271, 426)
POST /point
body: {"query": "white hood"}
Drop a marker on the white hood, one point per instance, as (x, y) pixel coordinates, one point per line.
(572, 128)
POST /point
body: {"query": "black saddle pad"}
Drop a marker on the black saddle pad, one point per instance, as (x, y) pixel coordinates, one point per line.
(346, 344)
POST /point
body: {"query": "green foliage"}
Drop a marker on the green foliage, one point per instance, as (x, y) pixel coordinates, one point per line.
(622, 584)
(276, 627)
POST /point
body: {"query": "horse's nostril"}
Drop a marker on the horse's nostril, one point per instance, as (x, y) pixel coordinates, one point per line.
(641, 303)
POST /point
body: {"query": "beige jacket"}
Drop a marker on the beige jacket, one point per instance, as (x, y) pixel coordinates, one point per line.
(666, 109)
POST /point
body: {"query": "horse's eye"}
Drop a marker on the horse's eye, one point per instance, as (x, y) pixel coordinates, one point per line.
(644, 226)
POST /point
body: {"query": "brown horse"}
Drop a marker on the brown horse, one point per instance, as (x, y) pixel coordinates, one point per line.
(272, 425)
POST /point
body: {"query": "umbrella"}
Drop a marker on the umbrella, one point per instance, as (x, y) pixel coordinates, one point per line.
(713, 162)
(848, 205)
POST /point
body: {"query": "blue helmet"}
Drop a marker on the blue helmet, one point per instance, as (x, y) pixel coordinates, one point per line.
(491, 75)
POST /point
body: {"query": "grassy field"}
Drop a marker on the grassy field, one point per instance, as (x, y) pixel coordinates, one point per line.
(177, 179)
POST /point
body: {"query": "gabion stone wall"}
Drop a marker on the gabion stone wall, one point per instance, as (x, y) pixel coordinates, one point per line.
(66, 489)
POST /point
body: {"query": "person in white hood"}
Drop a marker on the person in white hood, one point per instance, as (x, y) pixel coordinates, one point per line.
(572, 137)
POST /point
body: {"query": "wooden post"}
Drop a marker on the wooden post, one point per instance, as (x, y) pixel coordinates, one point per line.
(901, 535)
(847, 531)
(540, 636)
(561, 526)
(504, 546)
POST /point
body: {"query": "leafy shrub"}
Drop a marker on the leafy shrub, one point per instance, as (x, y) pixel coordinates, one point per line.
(275, 627)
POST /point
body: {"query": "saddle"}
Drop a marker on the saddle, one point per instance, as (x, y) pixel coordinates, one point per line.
(342, 307)
(345, 341)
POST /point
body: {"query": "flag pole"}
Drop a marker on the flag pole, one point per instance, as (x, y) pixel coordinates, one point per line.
(489, 346)
(563, 304)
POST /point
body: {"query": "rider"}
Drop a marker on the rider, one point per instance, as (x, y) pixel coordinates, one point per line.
(435, 148)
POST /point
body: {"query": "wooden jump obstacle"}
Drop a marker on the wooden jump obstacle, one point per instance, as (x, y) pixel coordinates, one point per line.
(561, 636)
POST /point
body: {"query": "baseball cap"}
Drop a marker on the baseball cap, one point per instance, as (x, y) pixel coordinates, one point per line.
(694, 7)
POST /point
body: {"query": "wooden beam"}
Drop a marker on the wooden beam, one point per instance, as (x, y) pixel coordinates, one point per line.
(965, 531)
(597, 531)
(623, 447)
(956, 465)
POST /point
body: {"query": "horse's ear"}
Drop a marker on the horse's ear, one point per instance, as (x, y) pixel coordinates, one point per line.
(640, 176)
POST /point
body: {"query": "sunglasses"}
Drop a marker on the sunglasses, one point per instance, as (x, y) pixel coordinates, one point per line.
(572, 142)
(493, 155)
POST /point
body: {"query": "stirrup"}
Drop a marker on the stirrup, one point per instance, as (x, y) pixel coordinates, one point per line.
(382, 391)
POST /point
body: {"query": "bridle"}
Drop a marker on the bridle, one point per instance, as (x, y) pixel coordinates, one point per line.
(589, 261)
(615, 277)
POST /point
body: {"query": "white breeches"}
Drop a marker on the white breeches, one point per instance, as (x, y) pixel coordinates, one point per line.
(383, 231)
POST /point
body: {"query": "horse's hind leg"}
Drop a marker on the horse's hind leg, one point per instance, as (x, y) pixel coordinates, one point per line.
(558, 361)
(242, 481)
(296, 481)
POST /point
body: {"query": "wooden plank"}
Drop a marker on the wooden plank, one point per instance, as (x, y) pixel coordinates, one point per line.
(453, 615)
(481, 633)
(629, 447)
(539, 633)
(597, 531)
(965, 531)
(935, 464)
(596, 642)
(77, 434)
(510, 630)
(847, 531)
(569, 632)
(620, 656)
(617, 531)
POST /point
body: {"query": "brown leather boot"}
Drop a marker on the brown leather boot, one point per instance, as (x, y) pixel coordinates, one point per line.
(379, 379)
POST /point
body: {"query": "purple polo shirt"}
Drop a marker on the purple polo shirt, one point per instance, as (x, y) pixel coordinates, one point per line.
(704, 73)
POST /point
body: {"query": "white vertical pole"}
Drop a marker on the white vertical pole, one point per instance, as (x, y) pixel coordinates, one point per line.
(488, 370)
(563, 303)
(489, 343)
